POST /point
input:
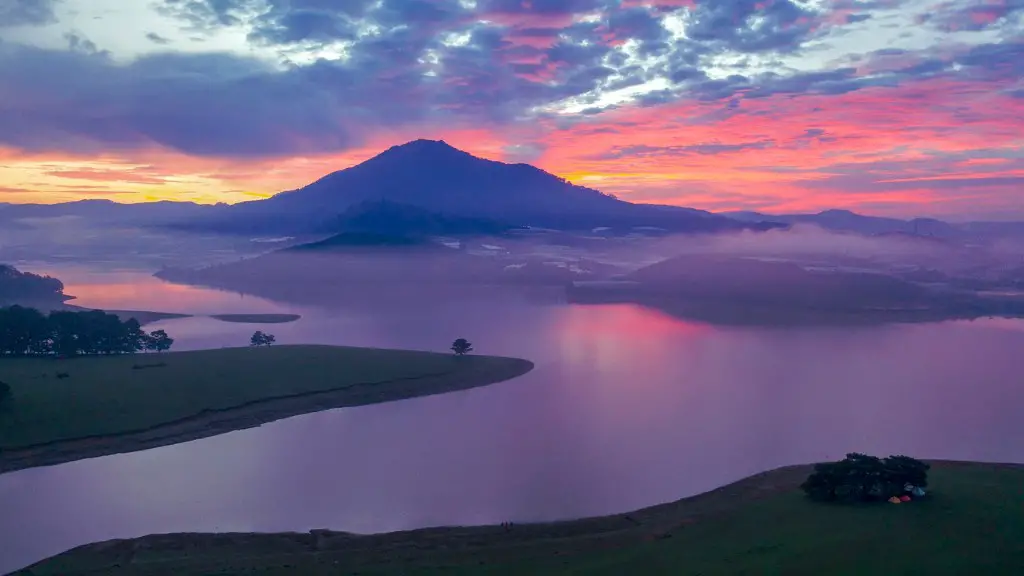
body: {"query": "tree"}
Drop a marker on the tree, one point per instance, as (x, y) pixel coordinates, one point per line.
(27, 332)
(158, 340)
(260, 338)
(134, 338)
(23, 331)
(5, 393)
(461, 347)
(862, 478)
(66, 332)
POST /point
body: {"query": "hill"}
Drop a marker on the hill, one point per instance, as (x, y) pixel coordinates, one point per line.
(773, 282)
(759, 525)
(847, 221)
(737, 290)
(17, 287)
(108, 211)
(437, 177)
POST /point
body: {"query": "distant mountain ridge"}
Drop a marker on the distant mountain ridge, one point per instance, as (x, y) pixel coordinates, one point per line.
(847, 221)
(437, 177)
(434, 176)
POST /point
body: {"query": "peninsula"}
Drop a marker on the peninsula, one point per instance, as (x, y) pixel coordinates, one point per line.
(60, 410)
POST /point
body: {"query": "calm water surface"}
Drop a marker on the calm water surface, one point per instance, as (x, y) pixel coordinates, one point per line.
(626, 408)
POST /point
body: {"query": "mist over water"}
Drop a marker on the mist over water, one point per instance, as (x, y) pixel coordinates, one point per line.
(627, 407)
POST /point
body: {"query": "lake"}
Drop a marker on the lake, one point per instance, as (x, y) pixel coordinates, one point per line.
(626, 408)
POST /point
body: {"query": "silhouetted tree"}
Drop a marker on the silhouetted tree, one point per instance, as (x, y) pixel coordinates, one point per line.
(26, 331)
(462, 347)
(260, 338)
(5, 394)
(66, 331)
(860, 478)
(134, 338)
(23, 331)
(159, 341)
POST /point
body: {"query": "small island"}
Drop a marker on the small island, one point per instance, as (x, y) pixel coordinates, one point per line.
(59, 410)
(256, 318)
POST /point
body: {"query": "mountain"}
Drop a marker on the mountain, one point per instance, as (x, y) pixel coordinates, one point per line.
(109, 212)
(847, 221)
(437, 177)
(386, 217)
(385, 224)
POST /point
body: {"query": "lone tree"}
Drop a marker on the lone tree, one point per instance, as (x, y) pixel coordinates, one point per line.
(5, 393)
(260, 338)
(158, 341)
(461, 347)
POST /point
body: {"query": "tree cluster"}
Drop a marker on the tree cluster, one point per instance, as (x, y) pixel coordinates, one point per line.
(28, 332)
(20, 286)
(260, 338)
(863, 478)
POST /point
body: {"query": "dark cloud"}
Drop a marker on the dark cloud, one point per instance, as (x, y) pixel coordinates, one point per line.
(156, 38)
(752, 25)
(402, 67)
(27, 12)
(78, 43)
(197, 104)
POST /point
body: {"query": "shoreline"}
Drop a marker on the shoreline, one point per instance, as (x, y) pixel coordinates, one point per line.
(468, 547)
(211, 422)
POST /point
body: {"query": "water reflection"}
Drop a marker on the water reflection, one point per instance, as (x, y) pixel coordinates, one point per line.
(626, 408)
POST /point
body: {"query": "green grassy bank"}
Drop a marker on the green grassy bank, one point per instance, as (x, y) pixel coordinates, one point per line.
(63, 410)
(973, 523)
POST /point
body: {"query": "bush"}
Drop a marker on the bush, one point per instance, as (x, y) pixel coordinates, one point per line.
(863, 478)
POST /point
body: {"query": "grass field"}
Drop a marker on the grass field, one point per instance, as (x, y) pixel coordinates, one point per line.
(110, 404)
(971, 524)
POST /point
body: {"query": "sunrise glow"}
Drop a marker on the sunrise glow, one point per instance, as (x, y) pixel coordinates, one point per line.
(900, 107)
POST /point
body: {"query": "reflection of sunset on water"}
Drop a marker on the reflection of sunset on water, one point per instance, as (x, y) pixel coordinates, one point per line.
(609, 337)
(138, 290)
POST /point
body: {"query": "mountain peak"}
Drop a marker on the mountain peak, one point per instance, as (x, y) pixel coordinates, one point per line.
(423, 145)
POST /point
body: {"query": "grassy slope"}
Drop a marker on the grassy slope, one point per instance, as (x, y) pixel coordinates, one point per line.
(105, 396)
(972, 524)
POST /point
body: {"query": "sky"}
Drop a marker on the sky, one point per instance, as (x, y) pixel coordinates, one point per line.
(891, 107)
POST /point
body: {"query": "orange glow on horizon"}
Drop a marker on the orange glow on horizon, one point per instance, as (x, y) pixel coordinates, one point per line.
(772, 154)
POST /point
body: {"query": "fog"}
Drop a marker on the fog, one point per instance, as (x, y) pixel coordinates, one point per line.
(811, 240)
(72, 238)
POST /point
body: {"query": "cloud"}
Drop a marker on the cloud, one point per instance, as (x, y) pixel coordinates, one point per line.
(753, 25)
(756, 101)
(408, 63)
(157, 39)
(27, 12)
(706, 149)
(972, 15)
